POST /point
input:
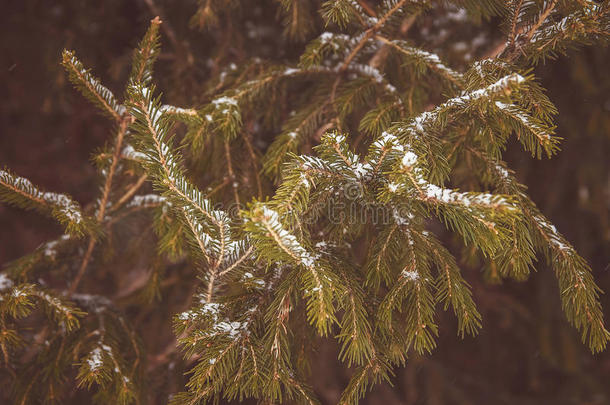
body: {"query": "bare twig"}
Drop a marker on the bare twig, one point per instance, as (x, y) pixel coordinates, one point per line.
(116, 156)
(130, 192)
(180, 47)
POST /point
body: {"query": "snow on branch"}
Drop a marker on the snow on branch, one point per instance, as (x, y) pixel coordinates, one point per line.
(540, 135)
(268, 221)
(428, 59)
(146, 54)
(91, 87)
(501, 87)
(20, 192)
(411, 163)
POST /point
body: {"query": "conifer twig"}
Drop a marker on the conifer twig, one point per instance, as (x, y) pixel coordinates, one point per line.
(541, 19)
(253, 159)
(130, 192)
(381, 54)
(171, 34)
(368, 34)
(103, 200)
(499, 49)
(234, 184)
(513, 25)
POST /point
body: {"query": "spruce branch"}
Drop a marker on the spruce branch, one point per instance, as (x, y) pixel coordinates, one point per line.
(426, 58)
(541, 19)
(90, 87)
(369, 33)
(20, 192)
(377, 141)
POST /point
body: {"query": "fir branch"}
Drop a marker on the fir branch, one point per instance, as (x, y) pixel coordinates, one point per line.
(541, 19)
(295, 257)
(429, 59)
(369, 33)
(20, 192)
(542, 136)
(515, 9)
(90, 87)
(273, 242)
(145, 55)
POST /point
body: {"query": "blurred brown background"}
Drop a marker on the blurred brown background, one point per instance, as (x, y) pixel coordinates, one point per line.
(526, 352)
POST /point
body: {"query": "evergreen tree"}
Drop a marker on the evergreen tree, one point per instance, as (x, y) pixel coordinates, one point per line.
(332, 230)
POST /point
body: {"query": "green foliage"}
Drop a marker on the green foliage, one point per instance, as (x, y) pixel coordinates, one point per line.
(20, 192)
(343, 237)
(90, 86)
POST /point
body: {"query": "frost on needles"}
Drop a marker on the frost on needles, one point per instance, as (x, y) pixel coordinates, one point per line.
(324, 232)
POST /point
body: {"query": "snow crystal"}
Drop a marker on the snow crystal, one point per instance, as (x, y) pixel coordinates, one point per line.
(393, 187)
(371, 21)
(304, 181)
(186, 315)
(95, 361)
(211, 308)
(177, 110)
(224, 101)
(555, 238)
(434, 191)
(326, 37)
(49, 249)
(459, 15)
(147, 199)
(249, 277)
(307, 261)
(418, 123)
(387, 137)
(65, 205)
(96, 303)
(130, 153)
(361, 170)
(434, 61)
(231, 328)
(375, 74)
(5, 282)
(356, 6)
(291, 71)
(410, 275)
(145, 92)
(387, 140)
(337, 138)
(399, 219)
(503, 172)
(409, 159)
